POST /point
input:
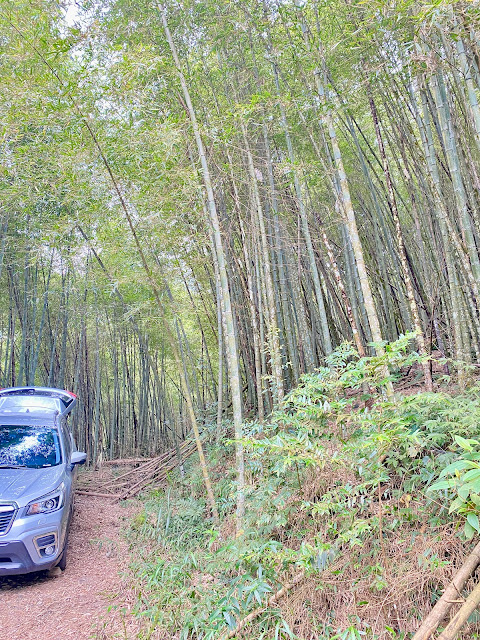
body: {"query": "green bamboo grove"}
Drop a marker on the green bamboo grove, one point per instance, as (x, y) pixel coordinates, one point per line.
(200, 200)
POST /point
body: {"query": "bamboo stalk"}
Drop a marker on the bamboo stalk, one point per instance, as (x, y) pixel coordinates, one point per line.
(450, 595)
(461, 617)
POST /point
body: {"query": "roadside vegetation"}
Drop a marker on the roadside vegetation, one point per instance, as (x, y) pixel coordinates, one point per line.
(361, 503)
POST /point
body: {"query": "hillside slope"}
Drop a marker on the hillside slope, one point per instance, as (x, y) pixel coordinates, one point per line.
(342, 501)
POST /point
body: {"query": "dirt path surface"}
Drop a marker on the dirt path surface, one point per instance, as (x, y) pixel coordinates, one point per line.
(75, 604)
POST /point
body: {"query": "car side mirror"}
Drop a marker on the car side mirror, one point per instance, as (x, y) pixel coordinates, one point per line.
(78, 458)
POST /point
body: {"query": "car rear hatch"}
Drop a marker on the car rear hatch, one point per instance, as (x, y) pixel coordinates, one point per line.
(22, 399)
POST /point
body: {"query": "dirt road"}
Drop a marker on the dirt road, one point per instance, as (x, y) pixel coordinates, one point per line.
(75, 604)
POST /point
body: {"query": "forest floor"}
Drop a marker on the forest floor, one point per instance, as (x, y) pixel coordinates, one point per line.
(91, 600)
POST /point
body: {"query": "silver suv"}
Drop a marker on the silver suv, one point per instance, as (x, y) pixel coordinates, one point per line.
(38, 462)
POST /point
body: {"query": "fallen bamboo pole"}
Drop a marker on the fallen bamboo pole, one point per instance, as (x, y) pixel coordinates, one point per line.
(147, 464)
(460, 618)
(450, 595)
(144, 482)
(120, 462)
(143, 467)
(82, 492)
(132, 482)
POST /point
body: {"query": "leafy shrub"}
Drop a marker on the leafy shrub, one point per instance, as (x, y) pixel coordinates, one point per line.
(463, 483)
(362, 449)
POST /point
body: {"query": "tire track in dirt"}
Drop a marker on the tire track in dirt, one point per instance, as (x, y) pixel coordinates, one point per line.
(75, 604)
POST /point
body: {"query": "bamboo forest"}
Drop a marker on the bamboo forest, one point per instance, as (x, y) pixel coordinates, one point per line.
(246, 235)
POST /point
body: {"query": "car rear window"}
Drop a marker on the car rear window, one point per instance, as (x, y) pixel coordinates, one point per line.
(28, 404)
(29, 446)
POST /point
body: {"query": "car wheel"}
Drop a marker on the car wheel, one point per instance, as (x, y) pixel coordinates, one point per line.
(62, 563)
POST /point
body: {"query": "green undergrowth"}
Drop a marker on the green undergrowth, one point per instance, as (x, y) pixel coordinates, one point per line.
(374, 498)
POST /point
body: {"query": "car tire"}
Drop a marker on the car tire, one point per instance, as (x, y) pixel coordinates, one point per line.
(62, 563)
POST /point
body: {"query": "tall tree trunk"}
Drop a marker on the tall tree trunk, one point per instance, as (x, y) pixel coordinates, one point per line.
(230, 341)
